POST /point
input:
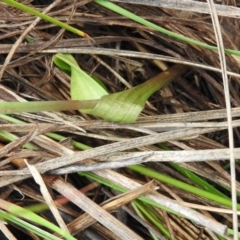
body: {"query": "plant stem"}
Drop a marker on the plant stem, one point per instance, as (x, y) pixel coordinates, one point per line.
(17, 107)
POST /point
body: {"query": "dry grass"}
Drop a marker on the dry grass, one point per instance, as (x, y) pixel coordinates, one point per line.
(186, 115)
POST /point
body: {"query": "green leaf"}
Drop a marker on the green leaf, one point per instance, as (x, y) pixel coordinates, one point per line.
(123, 106)
(83, 87)
(63, 64)
(126, 106)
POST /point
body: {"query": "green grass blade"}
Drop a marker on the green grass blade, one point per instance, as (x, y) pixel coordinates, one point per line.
(55, 136)
(231, 232)
(10, 137)
(199, 181)
(121, 189)
(182, 185)
(193, 177)
(45, 17)
(59, 138)
(152, 218)
(115, 8)
(25, 225)
(30, 216)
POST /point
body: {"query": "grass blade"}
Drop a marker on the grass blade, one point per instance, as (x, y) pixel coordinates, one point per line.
(45, 17)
